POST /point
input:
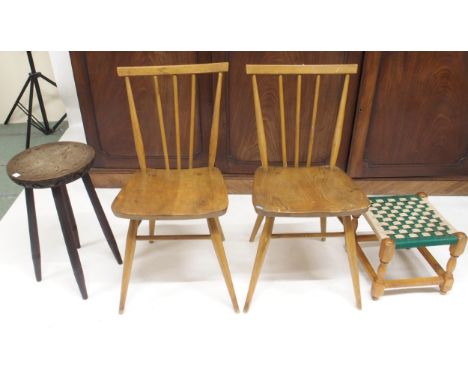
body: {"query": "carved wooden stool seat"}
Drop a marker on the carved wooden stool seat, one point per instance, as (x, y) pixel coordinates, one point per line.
(53, 165)
(409, 221)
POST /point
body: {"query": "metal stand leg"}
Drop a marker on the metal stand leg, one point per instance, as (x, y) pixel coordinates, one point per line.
(17, 101)
(47, 129)
(28, 129)
(33, 82)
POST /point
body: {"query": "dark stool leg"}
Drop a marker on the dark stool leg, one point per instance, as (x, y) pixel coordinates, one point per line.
(33, 233)
(71, 216)
(60, 205)
(101, 217)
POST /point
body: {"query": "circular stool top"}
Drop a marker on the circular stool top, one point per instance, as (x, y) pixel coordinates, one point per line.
(50, 164)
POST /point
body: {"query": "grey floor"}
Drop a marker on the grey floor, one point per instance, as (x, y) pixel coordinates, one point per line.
(12, 141)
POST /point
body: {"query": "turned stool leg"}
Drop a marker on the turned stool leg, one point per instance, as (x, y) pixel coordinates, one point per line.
(455, 251)
(387, 250)
(70, 215)
(60, 205)
(101, 217)
(33, 233)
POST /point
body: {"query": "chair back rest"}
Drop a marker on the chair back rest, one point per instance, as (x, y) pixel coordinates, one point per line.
(174, 71)
(299, 71)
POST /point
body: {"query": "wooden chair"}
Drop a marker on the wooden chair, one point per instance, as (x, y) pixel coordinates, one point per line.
(167, 194)
(303, 191)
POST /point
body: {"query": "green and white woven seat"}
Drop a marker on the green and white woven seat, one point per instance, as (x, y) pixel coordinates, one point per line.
(410, 221)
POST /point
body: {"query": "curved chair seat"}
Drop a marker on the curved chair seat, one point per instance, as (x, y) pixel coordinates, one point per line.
(307, 191)
(172, 194)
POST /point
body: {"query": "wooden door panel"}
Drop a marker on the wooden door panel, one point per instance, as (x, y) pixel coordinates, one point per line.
(104, 106)
(413, 115)
(240, 151)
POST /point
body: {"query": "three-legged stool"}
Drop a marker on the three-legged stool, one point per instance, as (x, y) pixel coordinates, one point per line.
(53, 165)
(409, 221)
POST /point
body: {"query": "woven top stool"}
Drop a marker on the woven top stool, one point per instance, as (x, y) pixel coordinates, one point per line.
(53, 165)
(409, 221)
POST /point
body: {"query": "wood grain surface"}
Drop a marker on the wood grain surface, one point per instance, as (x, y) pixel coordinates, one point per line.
(50, 164)
(175, 194)
(306, 191)
(105, 113)
(240, 154)
(410, 121)
(412, 115)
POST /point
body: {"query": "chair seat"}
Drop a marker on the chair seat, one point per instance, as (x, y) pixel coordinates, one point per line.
(307, 191)
(172, 194)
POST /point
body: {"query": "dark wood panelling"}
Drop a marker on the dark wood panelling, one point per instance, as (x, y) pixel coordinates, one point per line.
(410, 113)
(239, 151)
(412, 116)
(104, 107)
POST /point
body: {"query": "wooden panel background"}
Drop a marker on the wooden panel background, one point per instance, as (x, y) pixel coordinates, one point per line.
(406, 117)
(239, 152)
(413, 116)
(105, 112)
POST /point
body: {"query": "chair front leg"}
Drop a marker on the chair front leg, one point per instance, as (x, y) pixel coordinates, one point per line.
(216, 238)
(350, 239)
(128, 261)
(261, 252)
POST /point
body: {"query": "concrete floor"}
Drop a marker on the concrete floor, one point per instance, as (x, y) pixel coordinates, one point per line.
(12, 141)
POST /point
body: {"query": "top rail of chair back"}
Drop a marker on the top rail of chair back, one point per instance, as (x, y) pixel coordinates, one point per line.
(216, 67)
(302, 69)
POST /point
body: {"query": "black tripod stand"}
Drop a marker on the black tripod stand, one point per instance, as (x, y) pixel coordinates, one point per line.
(33, 83)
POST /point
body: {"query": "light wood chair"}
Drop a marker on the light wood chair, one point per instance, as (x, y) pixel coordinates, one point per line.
(308, 191)
(168, 194)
